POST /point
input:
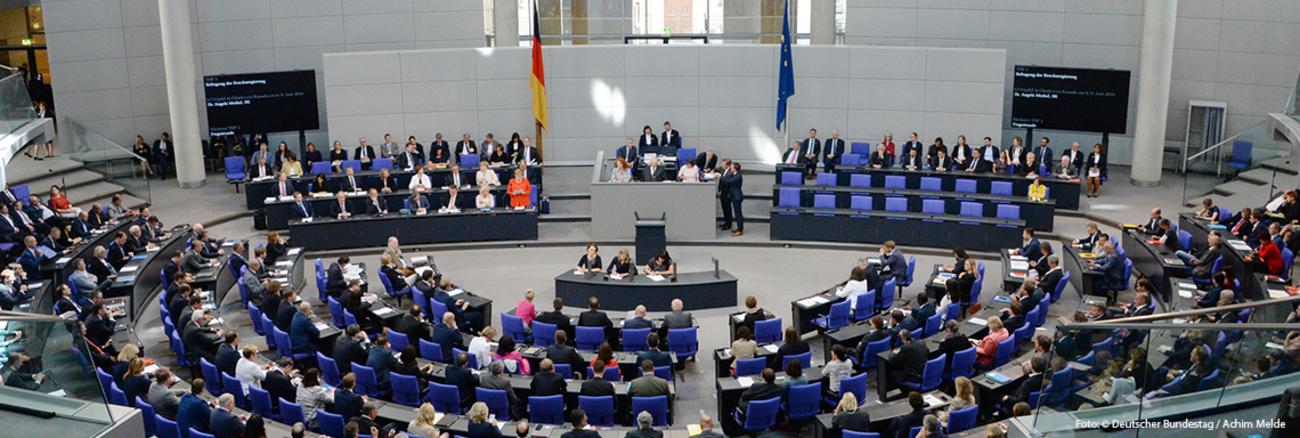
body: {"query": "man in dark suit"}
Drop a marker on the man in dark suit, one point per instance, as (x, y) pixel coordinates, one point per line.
(228, 353)
(278, 382)
(911, 358)
(902, 426)
(629, 153)
(462, 378)
(735, 192)
(1033, 383)
(593, 317)
(194, 412)
(302, 333)
(561, 353)
(597, 386)
(547, 381)
(447, 336)
(678, 319)
(810, 148)
(301, 209)
(347, 403)
(224, 423)
(363, 152)
(348, 349)
(832, 151)
(759, 391)
(670, 137)
(653, 354)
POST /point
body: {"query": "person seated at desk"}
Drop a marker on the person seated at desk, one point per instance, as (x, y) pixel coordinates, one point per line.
(847, 415)
(793, 345)
(1209, 211)
(688, 172)
(766, 389)
(339, 210)
(941, 161)
(420, 181)
(519, 188)
(579, 420)
(621, 265)
(913, 160)
(648, 385)
(661, 264)
(449, 206)
(987, 348)
(1066, 170)
(881, 159)
(590, 262)
(621, 173)
(320, 186)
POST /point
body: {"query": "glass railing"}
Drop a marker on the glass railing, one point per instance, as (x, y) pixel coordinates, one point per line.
(16, 107)
(118, 164)
(1170, 366)
(1243, 152)
(53, 372)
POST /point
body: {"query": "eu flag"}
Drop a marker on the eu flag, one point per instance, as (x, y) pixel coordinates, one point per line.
(786, 85)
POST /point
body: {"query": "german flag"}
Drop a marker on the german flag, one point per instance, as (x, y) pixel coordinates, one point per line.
(538, 80)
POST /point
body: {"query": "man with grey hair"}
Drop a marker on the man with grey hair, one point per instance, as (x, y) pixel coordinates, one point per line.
(677, 319)
(495, 379)
(645, 427)
(223, 423)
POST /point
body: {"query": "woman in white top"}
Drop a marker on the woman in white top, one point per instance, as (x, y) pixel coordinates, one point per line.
(481, 346)
(622, 172)
(420, 182)
(484, 198)
(248, 371)
(689, 172)
(485, 176)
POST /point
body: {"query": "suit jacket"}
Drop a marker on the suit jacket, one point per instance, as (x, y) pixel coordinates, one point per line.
(677, 320)
(225, 424)
(369, 153)
(670, 138)
(279, 386)
(833, 147)
(545, 384)
(447, 338)
(193, 412)
(809, 146)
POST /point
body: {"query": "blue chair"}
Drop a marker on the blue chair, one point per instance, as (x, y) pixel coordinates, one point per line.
(750, 367)
(329, 370)
(860, 202)
(963, 363)
(291, 413)
(406, 389)
(1001, 188)
(635, 339)
(864, 305)
(367, 383)
(767, 331)
(497, 402)
(656, 406)
(211, 379)
(788, 197)
(895, 182)
(821, 200)
(896, 204)
(838, 317)
(930, 376)
(931, 184)
(791, 178)
(760, 416)
(827, 179)
(514, 327)
(545, 410)
(398, 340)
(445, 398)
(589, 338)
(146, 414)
(860, 148)
(318, 168)
(1009, 212)
(234, 171)
(1003, 354)
(966, 186)
(804, 401)
(870, 356)
(167, 428)
(261, 402)
(932, 206)
(684, 342)
(805, 359)
(885, 298)
(543, 334)
(330, 424)
(1241, 151)
(852, 434)
(859, 180)
(380, 163)
(600, 410)
(962, 420)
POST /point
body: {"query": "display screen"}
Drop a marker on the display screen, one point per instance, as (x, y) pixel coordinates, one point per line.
(1070, 99)
(261, 102)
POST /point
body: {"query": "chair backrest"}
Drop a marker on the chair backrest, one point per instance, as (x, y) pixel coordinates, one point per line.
(963, 363)
(367, 382)
(791, 178)
(445, 398)
(761, 415)
(966, 186)
(514, 326)
(895, 182)
(635, 339)
(1000, 188)
(931, 184)
(589, 338)
(544, 410)
(788, 197)
(963, 419)
(804, 401)
(234, 169)
(543, 333)
(767, 331)
(1009, 212)
(860, 202)
(1003, 354)
(330, 424)
(320, 167)
(805, 359)
(932, 206)
(859, 180)
(656, 406)
(822, 200)
(497, 402)
(291, 413)
(329, 370)
(682, 341)
(750, 367)
(827, 179)
(600, 410)
(895, 204)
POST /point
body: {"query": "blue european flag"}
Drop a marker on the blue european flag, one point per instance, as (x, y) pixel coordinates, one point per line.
(786, 85)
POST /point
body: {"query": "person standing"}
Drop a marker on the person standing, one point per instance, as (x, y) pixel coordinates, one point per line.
(734, 184)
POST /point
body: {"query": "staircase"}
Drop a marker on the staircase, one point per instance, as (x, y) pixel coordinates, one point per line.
(82, 186)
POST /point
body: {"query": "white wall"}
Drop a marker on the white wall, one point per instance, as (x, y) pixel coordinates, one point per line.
(720, 96)
(1243, 52)
(106, 55)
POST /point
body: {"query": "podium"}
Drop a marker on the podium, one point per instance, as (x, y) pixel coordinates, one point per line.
(650, 237)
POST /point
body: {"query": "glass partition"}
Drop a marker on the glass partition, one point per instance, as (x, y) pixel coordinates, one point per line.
(16, 107)
(118, 164)
(1169, 366)
(1243, 152)
(48, 368)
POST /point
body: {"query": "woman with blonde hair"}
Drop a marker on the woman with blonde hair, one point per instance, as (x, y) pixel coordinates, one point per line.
(988, 347)
(965, 398)
(849, 417)
(425, 422)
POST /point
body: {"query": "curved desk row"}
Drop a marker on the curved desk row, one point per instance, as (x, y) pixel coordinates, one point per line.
(1064, 192)
(1037, 215)
(323, 233)
(904, 228)
(697, 290)
(256, 191)
(280, 212)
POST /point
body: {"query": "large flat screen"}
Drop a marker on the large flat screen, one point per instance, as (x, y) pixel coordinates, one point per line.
(1070, 99)
(261, 102)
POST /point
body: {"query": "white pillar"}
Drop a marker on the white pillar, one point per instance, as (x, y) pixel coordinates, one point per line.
(823, 22)
(1158, 20)
(182, 96)
(506, 17)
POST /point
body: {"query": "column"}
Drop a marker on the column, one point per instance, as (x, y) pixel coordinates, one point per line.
(822, 20)
(1154, 67)
(505, 14)
(182, 100)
